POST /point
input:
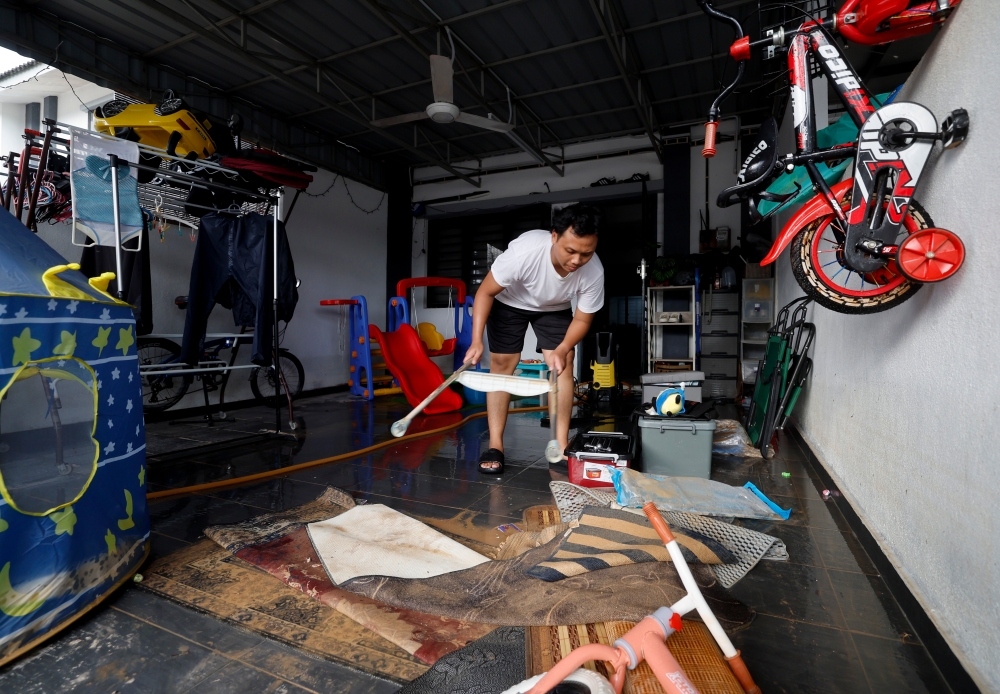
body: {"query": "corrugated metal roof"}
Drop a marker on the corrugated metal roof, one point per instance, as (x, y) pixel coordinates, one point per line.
(329, 68)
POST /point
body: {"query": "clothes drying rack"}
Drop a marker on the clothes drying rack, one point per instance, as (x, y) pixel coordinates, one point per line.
(57, 138)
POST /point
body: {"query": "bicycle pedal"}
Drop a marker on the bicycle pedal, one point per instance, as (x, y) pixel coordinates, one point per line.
(955, 128)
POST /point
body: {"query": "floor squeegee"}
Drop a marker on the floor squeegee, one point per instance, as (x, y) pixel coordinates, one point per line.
(488, 383)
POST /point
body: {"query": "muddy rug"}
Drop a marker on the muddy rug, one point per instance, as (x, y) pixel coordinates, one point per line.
(490, 665)
(208, 578)
(495, 593)
(279, 544)
(503, 593)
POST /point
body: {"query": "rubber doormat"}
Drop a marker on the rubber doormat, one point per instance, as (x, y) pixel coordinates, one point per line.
(207, 578)
(692, 646)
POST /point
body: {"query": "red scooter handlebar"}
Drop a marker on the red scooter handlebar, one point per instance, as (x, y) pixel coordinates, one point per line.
(708, 150)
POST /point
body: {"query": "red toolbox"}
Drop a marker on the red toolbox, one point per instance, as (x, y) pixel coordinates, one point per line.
(592, 454)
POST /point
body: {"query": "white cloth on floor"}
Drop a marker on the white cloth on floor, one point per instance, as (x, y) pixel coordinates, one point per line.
(375, 540)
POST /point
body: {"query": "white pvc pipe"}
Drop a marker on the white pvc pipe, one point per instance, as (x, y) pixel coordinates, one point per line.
(695, 600)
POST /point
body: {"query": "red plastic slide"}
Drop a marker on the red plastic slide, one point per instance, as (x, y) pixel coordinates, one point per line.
(418, 376)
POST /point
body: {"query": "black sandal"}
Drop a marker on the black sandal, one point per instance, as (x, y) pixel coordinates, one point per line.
(491, 456)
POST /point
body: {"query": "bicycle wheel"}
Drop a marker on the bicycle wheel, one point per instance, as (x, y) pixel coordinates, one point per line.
(264, 386)
(160, 392)
(820, 271)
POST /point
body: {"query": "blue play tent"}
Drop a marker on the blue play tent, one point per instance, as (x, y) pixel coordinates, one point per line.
(73, 517)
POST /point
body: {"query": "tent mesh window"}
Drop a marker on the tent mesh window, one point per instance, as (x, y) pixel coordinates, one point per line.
(47, 452)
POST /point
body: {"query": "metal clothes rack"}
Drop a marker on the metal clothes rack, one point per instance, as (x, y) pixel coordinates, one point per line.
(20, 166)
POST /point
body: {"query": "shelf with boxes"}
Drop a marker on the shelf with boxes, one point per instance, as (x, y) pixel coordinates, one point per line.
(720, 335)
(671, 335)
(756, 316)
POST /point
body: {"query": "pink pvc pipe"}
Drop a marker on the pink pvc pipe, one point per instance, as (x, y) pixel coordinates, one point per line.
(568, 665)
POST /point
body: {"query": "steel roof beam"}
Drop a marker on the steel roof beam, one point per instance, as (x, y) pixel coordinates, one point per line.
(388, 39)
(608, 21)
(399, 29)
(294, 84)
(89, 43)
(314, 63)
(226, 21)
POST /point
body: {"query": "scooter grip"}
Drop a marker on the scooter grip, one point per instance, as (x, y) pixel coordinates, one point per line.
(708, 150)
(659, 525)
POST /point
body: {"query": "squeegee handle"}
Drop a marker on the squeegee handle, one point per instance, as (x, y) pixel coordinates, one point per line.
(437, 391)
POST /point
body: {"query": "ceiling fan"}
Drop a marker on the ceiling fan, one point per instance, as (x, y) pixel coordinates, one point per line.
(443, 109)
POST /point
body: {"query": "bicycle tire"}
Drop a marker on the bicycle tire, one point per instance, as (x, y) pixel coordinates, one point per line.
(815, 283)
(262, 381)
(160, 392)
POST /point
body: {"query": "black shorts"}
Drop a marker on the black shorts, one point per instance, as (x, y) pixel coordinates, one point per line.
(507, 325)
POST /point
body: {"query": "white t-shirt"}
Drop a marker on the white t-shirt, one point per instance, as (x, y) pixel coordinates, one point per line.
(531, 282)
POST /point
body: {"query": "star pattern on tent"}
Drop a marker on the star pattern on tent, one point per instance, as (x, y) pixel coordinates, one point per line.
(71, 306)
(99, 384)
(24, 345)
(52, 304)
(136, 429)
(64, 520)
(128, 407)
(67, 345)
(105, 314)
(142, 475)
(111, 424)
(128, 448)
(101, 341)
(125, 340)
(115, 374)
(61, 362)
(129, 376)
(109, 538)
(111, 400)
(22, 313)
(110, 448)
(3, 309)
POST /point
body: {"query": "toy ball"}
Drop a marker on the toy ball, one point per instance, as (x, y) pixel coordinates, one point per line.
(670, 402)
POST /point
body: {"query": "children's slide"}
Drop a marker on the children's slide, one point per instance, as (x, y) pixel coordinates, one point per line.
(418, 376)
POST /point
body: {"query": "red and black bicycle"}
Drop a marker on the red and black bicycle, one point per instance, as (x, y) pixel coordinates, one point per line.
(862, 245)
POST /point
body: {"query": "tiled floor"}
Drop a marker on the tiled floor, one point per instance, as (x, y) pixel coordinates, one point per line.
(825, 620)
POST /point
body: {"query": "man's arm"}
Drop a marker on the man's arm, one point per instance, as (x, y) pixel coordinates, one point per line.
(576, 331)
(480, 312)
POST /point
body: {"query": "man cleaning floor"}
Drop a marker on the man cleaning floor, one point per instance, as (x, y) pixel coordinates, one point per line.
(534, 281)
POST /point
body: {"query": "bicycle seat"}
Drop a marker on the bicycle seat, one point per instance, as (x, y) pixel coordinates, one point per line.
(757, 168)
(181, 302)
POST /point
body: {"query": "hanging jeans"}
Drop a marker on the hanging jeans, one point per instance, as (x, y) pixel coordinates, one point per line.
(233, 267)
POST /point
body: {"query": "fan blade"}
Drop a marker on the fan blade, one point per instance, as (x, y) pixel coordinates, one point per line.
(486, 123)
(396, 120)
(441, 76)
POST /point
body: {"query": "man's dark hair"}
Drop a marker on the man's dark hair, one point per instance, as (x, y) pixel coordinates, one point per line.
(585, 219)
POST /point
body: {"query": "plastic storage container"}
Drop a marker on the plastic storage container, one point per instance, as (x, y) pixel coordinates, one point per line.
(719, 367)
(676, 446)
(757, 311)
(720, 324)
(592, 454)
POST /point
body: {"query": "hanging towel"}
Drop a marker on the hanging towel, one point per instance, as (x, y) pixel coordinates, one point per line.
(90, 184)
(375, 540)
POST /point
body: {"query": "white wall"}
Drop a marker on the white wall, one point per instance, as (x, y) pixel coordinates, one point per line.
(338, 250)
(904, 406)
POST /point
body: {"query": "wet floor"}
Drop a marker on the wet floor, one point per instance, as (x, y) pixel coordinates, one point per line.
(826, 620)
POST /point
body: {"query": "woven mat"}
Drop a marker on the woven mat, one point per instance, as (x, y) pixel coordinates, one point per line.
(692, 646)
(749, 545)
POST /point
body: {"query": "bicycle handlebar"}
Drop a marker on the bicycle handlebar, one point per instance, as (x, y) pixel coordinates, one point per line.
(712, 125)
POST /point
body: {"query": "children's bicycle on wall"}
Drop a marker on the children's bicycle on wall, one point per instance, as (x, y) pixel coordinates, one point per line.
(864, 244)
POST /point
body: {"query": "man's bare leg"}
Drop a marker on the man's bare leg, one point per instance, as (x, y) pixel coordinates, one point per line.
(498, 402)
(566, 393)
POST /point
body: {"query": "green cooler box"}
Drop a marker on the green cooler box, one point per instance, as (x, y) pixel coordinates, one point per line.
(676, 446)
